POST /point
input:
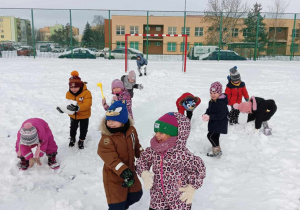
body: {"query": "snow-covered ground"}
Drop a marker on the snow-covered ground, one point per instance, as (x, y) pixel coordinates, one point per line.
(255, 172)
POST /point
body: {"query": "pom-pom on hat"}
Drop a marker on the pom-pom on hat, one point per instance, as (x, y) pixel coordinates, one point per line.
(117, 112)
(117, 84)
(75, 80)
(131, 75)
(29, 135)
(167, 124)
(233, 70)
(216, 87)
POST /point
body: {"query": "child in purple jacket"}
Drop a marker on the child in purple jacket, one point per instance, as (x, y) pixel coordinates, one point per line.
(177, 173)
(35, 132)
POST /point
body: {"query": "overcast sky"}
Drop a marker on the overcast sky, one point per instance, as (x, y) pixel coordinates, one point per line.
(162, 5)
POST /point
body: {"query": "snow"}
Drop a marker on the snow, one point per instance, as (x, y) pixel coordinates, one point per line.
(255, 172)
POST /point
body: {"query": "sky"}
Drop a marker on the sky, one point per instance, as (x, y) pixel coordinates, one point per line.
(162, 5)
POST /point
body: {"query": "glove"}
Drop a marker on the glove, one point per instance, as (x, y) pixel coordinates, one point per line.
(73, 107)
(38, 161)
(128, 177)
(103, 101)
(247, 99)
(58, 109)
(205, 117)
(188, 194)
(140, 87)
(147, 177)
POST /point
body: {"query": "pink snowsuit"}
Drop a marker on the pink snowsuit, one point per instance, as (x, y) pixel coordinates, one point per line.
(47, 143)
(176, 168)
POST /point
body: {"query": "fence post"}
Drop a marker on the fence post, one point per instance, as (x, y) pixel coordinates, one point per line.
(184, 40)
(147, 43)
(109, 41)
(220, 39)
(293, 38)
(33, 35)
(256, 40)
(71, 33)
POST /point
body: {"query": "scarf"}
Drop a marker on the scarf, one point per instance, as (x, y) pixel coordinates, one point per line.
(162, 147)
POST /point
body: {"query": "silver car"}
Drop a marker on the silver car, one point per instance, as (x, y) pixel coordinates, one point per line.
(58, 49)
(119, 53)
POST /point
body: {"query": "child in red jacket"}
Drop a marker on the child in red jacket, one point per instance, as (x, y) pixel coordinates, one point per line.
(235, 90)
(187, 102)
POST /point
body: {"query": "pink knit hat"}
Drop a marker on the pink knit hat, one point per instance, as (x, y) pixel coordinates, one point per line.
(246, 107)
(117, 84)
(131, 75)
(216, 87)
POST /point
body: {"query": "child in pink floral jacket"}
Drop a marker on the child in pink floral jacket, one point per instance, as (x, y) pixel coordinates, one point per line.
(177, 173)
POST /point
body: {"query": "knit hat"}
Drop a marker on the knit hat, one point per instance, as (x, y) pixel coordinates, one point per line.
(246, 107)
(167, 124)
(117, 84)
(216, 87)
(233, 70)
(29, 135)
(117, 112)
(75, 80)
(131, 75)
(234, 74)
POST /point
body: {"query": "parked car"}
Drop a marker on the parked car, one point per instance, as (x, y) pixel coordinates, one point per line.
(196, 52)
(45, 48)
(224, 55)
(25, 51)
(97, 52)
(119, 53)
(103, 51)
(80, 53)
(57, 49)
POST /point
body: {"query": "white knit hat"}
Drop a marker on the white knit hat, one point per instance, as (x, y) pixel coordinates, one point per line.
(29, 135)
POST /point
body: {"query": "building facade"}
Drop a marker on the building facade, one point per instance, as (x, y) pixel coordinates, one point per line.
(48, 31)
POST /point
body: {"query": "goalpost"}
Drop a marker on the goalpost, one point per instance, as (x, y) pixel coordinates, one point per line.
(156, 35)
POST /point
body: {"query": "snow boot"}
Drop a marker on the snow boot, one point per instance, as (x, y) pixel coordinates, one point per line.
(145, 74)
(267, 130)
(72, 142)
(216, 152)
(140, 75)
(24, 164)
(81, 144)
(52, 161)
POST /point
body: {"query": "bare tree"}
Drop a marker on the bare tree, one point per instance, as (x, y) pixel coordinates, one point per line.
(232, 11)
(98, 31)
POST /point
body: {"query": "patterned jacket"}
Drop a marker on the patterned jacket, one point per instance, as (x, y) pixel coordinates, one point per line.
(235, 92)
(176, 168)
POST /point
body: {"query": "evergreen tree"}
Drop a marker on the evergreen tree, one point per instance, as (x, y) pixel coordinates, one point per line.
(251, 26)
(87, 38)
(62, 37)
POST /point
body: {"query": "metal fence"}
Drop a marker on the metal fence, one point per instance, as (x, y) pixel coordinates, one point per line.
(50, 33)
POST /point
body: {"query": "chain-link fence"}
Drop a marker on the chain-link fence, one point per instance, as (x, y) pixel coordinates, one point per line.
(49, 33)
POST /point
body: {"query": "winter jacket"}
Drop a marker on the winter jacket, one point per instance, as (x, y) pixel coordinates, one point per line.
(84, 101)
(182, 98)
(236, 92)
(47, 143)
(176, 168)
(265, 110)
(129, 85)
(118, 151)
(218, 112)
(141, 62)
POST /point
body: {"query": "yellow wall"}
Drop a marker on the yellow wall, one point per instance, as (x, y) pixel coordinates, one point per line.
(7, 28)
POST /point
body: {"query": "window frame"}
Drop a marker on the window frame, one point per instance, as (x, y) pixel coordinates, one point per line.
(171, 44)
(121, 30)
(133, 30)
(171, 30)
(198, 31)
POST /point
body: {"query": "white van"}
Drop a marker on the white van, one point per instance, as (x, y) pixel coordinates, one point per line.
(197, 51)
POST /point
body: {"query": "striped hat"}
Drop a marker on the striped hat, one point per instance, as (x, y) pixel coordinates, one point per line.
(167, 124)
(29, 135)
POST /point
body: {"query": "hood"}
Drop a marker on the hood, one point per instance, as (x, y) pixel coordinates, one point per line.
(184, 129)
(105, 131)
(223, 98)
(139, 55)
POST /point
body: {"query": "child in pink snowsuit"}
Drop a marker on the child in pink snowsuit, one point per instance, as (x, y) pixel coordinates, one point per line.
(120, 93)
(177, 173)
(35, 132)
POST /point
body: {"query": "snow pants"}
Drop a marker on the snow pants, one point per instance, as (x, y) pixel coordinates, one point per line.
(83, 127)
(131, 199)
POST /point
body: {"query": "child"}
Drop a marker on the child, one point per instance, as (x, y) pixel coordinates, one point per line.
(216, 114)
(129, 82)
(120, 93)
(177, 173)
(260, 110)
(118, 147)
(141, 64)
(235, 90)
(35, 132)
(187, 102)
(78, 92)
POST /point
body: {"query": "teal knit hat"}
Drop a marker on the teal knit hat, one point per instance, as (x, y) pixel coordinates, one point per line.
(167, 124)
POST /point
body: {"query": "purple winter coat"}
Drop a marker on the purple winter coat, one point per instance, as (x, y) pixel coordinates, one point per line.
(47, 142)
(176, 168)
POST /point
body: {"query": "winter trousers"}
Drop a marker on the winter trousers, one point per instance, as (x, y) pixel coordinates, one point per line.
(83, 127)
(233, 116)
(214, 138)
(145, 70)
(189, 114)
(131, 199)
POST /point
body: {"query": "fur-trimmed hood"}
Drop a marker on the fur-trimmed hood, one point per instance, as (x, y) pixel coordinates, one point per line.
(105, 131)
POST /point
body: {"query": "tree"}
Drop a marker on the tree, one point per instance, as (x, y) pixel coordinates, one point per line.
(251, 27)
(99, 31)
(62, 36)
(88, 38)
(232, 11)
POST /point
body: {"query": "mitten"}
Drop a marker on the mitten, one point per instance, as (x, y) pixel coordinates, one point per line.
(188, 194)
(73, 107)
(58, 109)
(103, 101)
(140, 87)
(128, 177)
(147, 177)
(205, 117)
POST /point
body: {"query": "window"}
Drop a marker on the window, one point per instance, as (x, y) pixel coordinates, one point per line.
(297, 33)
(246, 32)
(235, 32)
(145, 44)
(147, 28)
(134, 29)
(158, 28)
(134, 45)
(120, 44)
(120, 30)
(187, 30)
(279, 30)
(172, 30)
(1, 31)
(270, 29)
(198, 44)
(171, 46)
(2, 36)
(182, 46)
(296, 48)
(198, 31)
(157, 43)
(225, 29)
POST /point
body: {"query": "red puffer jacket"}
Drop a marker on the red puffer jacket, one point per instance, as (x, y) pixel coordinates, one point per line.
(235, 92)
